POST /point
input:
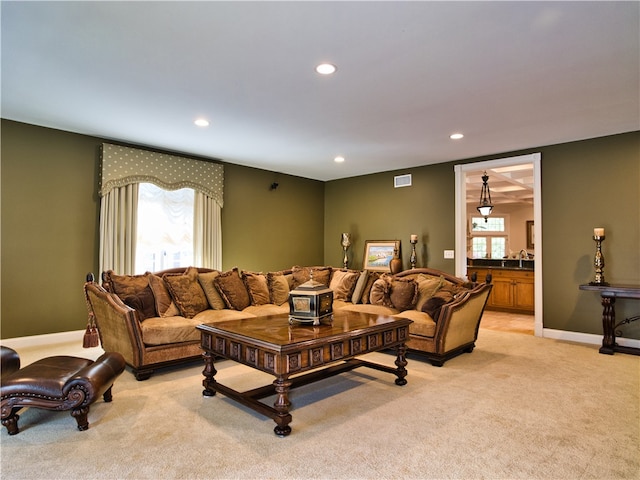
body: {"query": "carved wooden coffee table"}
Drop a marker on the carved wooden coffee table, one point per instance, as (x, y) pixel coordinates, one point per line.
(274, 346)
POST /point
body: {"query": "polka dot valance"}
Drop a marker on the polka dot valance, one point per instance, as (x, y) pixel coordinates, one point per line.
(124, 165)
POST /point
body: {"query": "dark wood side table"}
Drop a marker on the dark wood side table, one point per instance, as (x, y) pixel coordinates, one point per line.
(608, 294)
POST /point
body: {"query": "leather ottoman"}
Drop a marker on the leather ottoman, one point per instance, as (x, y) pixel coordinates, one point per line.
(59, 383)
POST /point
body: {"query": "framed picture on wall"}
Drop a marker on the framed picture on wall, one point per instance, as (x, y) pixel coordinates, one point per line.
(530, 239)
(378, 254)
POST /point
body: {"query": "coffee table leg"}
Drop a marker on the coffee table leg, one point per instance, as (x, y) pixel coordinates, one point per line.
(282, 404)
(208, 372)
(401, 363)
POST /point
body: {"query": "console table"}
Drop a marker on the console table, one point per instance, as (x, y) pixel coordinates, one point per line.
(608, 294)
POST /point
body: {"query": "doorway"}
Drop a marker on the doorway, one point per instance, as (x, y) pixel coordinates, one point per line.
(461, 172)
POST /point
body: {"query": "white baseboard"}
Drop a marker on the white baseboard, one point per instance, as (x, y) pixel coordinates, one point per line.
(47, 339)
(589, 338)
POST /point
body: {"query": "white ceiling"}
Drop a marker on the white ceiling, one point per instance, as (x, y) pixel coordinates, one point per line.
(507, 185)
(509, 75)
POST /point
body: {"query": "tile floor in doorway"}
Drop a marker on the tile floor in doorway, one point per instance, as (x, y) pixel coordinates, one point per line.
(507, 322)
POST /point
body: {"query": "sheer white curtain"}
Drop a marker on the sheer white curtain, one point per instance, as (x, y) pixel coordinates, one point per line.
(165, 236)
(207, 232)
(118, 218)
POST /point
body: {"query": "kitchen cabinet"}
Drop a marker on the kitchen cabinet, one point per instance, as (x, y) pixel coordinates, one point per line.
(513, 288)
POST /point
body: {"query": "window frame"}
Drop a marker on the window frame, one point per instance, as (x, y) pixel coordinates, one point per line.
(489, 235)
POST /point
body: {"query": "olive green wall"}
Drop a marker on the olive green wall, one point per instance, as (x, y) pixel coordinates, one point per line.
(267, 230)
(586, 184)
(49, 228)
(49, 222)
(45, 256)
(593, 183)
(370, 208)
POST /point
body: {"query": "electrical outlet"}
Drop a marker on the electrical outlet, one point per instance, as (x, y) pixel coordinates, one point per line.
(449, 254)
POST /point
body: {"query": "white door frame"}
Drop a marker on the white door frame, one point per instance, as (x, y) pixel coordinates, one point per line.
(461, 221)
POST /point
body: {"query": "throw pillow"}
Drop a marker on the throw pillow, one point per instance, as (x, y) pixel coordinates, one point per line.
(434, 304)
(256, 284)
(207, 283)
(342, 283)
(303, 274)
(278, 287)
(127, 285)
(143, 303)
(356, 296)
(366, 291)
(380, 292)
(187, 292)
(428, 285)
(129, 288)
(403, 294)
(165, 306)
(232, 289)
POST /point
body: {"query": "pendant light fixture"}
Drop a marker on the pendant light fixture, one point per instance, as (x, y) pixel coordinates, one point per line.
(485, 205)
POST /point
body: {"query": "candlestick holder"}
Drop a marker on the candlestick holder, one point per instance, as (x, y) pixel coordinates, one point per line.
(598, 262)
(413, 257)
(346, 243)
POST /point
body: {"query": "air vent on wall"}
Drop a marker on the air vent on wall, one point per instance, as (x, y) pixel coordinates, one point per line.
(402, 181)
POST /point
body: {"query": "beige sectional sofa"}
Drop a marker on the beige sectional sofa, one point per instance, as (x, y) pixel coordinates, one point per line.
(150, 319)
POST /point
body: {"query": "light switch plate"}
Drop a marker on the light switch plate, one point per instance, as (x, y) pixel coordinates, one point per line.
(449, 254)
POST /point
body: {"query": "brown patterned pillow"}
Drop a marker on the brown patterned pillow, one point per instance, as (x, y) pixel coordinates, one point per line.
(207, 283)
(403, 294)
(366, 291)
(278, 287)
(187, 292)
(133, 290)
(256, 284)
(232, 290)
(342, 283)
(165, 306)
(380, 292)
(303, 274)
(127, 285)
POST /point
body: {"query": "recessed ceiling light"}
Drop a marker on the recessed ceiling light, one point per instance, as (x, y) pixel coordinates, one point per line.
(456, 136)
(201, 122)
(339, 159)
(326, 69)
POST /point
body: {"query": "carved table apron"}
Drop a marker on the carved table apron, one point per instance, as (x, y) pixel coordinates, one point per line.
(271, 344)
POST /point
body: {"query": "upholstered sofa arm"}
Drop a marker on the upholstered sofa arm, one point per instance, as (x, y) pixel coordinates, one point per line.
(118, 324)
(459, 320)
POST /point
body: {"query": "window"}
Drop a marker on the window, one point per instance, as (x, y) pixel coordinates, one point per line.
(492, 224)
(488, 239)
(165, 228)
(196, 239)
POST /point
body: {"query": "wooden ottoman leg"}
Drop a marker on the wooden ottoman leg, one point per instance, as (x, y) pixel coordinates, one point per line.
(11, 422)
(80, 414)
(108, 396)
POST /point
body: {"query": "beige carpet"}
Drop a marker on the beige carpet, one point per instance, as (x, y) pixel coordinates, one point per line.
(518, 407)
